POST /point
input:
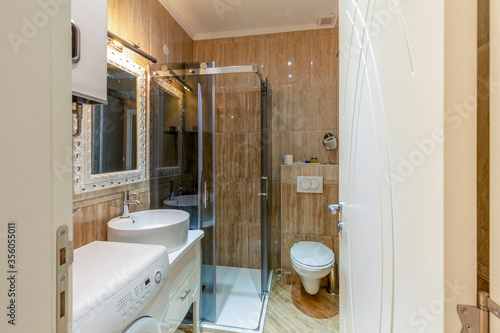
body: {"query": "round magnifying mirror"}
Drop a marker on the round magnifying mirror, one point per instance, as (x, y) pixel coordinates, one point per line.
(330, 143)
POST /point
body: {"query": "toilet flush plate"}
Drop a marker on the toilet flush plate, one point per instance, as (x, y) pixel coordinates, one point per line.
(309, 184)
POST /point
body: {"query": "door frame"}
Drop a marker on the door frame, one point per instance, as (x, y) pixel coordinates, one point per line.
(36, 168)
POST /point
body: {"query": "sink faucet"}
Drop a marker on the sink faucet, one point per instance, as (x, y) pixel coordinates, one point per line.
(127, 201)
(176, 191)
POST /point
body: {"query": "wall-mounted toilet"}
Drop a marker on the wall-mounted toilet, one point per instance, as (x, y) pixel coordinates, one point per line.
(312, 261)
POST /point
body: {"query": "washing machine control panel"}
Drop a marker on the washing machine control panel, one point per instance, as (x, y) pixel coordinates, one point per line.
(131, 300)
(124, 298)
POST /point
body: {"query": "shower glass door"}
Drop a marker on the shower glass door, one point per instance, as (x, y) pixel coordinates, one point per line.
(206, 192)
(266, 189)
(226, 166)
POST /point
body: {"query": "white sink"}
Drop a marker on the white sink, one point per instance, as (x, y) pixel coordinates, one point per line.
(183, 201)
(167, 227)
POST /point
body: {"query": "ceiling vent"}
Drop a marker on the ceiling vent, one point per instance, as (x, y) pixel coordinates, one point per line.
(327, 20)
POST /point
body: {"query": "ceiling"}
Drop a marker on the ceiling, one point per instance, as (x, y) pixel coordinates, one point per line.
(208, 19)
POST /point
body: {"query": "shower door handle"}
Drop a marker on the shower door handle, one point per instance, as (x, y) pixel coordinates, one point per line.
(205, 194)
(265, 183)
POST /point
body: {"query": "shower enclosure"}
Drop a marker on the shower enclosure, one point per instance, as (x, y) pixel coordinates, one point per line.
(222, 179)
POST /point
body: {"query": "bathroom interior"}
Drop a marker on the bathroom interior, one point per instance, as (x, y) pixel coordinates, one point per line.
(191, 210)
(200, 122)
(210, 119)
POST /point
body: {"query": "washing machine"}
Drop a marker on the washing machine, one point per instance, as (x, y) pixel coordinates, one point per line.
(120, 288)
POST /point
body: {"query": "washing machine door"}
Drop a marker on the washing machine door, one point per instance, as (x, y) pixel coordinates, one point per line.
(143, 325)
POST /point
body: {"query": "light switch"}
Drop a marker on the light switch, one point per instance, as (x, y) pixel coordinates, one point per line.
(309, 184)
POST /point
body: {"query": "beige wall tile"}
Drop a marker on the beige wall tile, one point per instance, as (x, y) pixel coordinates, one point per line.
(330, 173)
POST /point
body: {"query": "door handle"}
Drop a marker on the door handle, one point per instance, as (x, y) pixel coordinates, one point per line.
(336, 208)
(266, 181)
(205, 194)
(76, 41)
(185, 294)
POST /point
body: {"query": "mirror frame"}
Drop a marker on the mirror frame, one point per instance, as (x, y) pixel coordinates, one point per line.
(169, 89)
(83, 179)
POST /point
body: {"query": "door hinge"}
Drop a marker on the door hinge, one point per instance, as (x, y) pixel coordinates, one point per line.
(475, 319)
(64, 258)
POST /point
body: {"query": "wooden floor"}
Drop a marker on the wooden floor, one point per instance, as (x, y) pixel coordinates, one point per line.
(291, 309)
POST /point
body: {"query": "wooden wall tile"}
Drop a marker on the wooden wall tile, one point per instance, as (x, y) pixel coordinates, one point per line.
(139, 29)
(146, 22)
(330, 173)
(302, 75)
(483, 145)
(304, 216)
(159, 31)
(84, 226)
(483, 20)
(106, 211)
(306, 213)
(305, 105)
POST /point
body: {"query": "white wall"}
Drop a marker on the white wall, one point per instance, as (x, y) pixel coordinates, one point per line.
(35, 132)
(460, 274)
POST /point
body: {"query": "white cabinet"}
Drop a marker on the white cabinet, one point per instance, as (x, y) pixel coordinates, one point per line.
(184, 285)
(89, 38)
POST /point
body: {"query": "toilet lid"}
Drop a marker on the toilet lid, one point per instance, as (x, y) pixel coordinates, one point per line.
(312, 254)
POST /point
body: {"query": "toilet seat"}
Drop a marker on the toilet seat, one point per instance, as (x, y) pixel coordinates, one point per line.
(312, 255)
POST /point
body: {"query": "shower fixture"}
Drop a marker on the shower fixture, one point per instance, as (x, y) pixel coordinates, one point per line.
(167, 73)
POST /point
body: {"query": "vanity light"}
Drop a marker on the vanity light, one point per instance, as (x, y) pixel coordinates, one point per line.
(131, 46)
(115, 45)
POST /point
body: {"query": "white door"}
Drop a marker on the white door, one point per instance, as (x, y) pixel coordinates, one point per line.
(35, 160)
(494, 159)
(392, 167)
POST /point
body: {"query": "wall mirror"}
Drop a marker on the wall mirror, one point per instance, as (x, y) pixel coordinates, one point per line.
(167, 128)
(111, 149)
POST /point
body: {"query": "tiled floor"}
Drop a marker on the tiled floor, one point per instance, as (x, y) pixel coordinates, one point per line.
(292, 310)
(283, 315)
